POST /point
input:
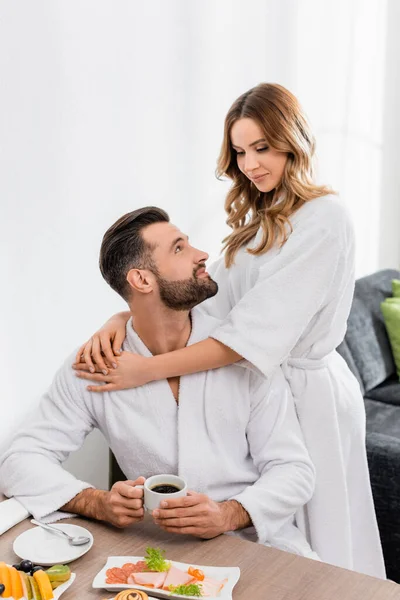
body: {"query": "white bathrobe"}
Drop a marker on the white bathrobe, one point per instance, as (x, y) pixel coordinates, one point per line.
(289, 307)
(234, 435)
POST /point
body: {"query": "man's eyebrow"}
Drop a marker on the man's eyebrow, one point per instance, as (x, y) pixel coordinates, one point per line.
(252, 143)
(179, 239)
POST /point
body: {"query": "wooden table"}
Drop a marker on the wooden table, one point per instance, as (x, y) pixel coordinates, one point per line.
(266, 573)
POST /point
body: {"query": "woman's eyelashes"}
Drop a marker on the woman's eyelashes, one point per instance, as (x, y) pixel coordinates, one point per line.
(241, 153)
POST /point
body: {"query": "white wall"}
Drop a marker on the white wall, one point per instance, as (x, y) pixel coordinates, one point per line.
(107, 106)
(389, 197)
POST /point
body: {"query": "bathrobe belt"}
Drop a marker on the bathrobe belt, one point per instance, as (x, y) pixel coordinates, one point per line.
(309, 363)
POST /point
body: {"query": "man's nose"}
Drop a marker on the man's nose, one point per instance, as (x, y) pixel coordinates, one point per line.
(201, 256)
(251, 162)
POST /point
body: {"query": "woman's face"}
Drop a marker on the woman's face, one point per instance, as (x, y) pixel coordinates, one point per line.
(263, 165)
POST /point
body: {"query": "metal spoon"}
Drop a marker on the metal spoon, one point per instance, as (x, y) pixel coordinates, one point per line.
(76, 540)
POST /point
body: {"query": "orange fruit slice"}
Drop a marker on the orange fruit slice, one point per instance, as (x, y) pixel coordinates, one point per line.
(5, 579)
(35, 592)
(43, 581)
(16, 586)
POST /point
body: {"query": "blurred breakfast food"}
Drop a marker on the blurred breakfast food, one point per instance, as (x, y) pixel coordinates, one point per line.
(155, 572)
(131, 595)
(23, 580)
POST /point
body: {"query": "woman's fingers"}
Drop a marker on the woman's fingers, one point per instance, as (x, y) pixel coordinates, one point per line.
(108, 350)
(92, 376)
(82, 366)
(87, 355)
(118, 341)
(79, 353)
(96, 355)
(109, 387)
(104, 382)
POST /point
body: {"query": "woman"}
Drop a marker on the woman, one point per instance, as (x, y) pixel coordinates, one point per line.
(286, 282)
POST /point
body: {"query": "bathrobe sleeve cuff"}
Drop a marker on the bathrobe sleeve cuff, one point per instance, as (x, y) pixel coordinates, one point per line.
(263, 524)
(46, 507)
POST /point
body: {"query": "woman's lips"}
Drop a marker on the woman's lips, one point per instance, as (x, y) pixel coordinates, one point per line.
(259, 177)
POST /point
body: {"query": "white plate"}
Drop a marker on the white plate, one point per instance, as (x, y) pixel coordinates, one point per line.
(232, 574)
(47, 549)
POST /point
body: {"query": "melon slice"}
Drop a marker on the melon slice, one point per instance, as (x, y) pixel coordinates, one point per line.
(26, 586)
(5, 579)
(43, 581)
(16, 584)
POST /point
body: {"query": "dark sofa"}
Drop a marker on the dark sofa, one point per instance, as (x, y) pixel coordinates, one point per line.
(367, 351)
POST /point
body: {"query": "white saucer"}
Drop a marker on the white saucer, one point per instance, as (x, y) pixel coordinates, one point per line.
(47, 549)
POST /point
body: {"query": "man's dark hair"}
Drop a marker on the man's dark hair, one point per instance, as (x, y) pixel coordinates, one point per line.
(123, 247)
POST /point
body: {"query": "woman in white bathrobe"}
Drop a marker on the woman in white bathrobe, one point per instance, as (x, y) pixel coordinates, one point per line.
(286, 283)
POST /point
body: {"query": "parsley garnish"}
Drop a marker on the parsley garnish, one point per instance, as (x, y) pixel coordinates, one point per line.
(192, 589)
(155, 560)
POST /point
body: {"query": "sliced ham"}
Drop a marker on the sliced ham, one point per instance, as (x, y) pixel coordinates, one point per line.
(211, 587)
(175, 577)
(154, 580)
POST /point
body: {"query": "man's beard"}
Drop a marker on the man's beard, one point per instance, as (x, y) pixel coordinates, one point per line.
(184, 294)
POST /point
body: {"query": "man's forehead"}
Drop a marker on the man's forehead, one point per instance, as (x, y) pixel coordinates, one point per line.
(162, 234)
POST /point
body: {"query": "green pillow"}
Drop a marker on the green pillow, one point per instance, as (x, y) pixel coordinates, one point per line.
(391, 315)
(396, 288)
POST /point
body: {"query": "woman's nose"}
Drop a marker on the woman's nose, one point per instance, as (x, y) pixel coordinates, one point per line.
(251, 162)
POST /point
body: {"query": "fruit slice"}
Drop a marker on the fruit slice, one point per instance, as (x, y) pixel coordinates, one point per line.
(26, 586)
(36, 595)
(5, 579)
(16, 585)
(44, 584)
(59, 573)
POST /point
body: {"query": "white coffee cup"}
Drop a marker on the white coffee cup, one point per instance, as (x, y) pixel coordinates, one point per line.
(152, 499)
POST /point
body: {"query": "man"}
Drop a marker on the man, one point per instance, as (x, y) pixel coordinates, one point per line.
(230, 433)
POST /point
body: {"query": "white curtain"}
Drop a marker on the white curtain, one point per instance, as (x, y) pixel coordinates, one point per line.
(107, 106)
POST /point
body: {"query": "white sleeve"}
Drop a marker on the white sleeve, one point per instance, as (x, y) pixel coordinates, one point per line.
(31, 469)
(287, 475)
(265, 325)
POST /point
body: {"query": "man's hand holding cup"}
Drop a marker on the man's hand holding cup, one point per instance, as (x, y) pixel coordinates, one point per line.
(123, 504)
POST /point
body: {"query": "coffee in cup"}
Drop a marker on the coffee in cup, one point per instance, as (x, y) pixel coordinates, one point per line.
(161, 487)
(165, 488)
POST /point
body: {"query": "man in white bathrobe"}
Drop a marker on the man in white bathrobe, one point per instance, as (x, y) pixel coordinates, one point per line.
(233, 435)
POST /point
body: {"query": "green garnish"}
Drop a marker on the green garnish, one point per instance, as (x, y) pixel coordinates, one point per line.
(192, 589)
(155, 560)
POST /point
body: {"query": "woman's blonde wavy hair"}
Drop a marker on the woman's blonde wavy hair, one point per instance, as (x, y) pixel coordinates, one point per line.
(279, 115)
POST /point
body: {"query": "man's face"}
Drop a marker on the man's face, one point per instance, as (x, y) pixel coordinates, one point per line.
(180, 273)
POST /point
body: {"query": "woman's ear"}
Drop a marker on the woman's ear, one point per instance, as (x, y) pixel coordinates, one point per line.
(140, 280)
